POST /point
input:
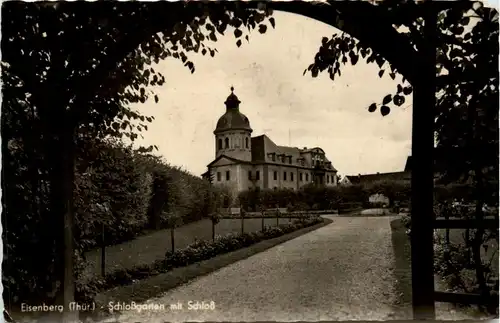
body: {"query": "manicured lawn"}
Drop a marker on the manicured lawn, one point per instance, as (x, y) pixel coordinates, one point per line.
(148, 248)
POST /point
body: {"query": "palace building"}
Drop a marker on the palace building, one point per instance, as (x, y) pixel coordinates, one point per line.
(244, 162)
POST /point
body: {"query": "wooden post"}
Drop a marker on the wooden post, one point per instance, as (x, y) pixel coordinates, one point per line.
(263, 219)
(172, 239)
(103, 252)
(422, 179)
(213, 230)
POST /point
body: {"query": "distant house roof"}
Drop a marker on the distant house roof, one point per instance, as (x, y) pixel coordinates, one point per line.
(408, 164)
(370, 178)
(206, 175)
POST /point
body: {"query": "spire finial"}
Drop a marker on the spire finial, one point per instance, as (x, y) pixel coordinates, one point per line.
(232, 89)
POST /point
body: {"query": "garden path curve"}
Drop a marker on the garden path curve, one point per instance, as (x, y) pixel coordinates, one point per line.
(343, 271)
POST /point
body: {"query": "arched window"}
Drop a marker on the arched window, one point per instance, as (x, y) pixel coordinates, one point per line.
(246, 142)
(226, 142)
(219, 144)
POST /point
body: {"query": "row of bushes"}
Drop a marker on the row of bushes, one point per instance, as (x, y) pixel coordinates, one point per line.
(352, 196)
(117, 189)
(324, 198)
(196, 252)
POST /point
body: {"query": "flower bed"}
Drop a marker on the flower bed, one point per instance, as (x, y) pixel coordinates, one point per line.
(196, 252)
(273, 213)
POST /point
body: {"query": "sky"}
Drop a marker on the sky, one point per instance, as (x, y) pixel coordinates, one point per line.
(292, 109)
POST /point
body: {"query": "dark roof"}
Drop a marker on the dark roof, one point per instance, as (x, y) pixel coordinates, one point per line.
(233, 120)
(370, 178)
(408, 164)
(262, 146)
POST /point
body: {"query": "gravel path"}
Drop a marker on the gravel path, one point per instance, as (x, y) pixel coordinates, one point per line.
(342, 271)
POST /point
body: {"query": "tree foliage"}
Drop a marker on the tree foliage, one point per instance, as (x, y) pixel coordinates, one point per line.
(70, 72)
(467, 47)
(466, 113)
(73, 70)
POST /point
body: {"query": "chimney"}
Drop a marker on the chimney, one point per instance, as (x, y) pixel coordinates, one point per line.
(305, 148)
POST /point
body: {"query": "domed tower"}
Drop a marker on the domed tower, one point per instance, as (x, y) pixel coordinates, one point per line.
(233, 132)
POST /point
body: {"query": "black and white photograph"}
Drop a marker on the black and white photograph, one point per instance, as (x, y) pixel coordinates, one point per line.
(249, 161)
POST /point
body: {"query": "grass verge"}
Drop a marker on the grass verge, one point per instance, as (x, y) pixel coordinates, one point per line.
(154, 286)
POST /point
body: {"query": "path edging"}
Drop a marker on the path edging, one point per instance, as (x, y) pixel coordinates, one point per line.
(158, 284)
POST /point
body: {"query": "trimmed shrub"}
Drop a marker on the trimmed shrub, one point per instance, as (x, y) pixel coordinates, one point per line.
(196, 252)
(310, 197)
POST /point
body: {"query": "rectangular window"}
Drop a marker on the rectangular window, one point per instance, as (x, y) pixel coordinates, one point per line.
(218, 176)
(284, 176)
(275, 175)
(227, 176)
(291, 177)
(250, 175)
(274, 157)
(300, 177)
(290, 159)
(327, 178)
(307, 177)
(257, 175)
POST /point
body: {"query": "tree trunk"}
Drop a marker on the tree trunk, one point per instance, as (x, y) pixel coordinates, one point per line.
(69, 217)
(62, 153)
(103, 252)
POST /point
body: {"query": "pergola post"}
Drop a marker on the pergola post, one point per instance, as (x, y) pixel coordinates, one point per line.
(422, 179)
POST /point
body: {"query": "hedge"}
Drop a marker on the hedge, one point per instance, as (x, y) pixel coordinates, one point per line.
(324, 198)
(116, 189)
(129, 193)
(352, 196)
(195, 252)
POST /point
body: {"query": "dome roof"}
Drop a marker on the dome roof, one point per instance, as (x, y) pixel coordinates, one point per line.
(233, 119)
